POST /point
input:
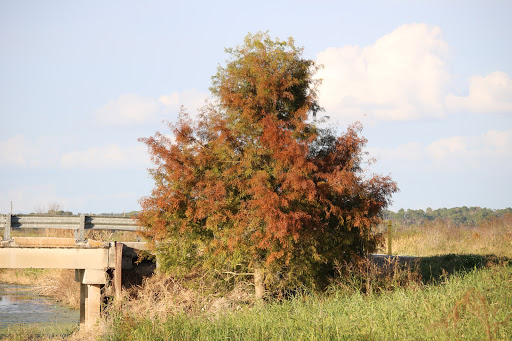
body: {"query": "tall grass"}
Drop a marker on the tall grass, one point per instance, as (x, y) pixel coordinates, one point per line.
(58, 284)
(455, 292)
(475, 306)
(435, 238)
(458, 292)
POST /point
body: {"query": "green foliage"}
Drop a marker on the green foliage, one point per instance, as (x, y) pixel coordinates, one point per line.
(456, 215)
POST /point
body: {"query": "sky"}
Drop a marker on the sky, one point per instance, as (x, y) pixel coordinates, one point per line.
(81, 81)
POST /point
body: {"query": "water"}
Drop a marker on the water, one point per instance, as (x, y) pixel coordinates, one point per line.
(19, 305)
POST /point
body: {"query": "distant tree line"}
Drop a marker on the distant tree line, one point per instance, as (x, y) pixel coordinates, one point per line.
(456, 215)
(54, 208)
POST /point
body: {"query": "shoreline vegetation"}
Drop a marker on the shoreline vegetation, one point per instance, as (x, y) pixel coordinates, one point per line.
(460, 289)
(59, 284)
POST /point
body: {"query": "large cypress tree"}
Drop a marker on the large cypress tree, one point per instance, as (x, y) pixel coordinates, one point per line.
(255, 184)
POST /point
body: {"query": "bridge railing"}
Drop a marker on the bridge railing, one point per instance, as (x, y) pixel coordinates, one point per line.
(79, 223)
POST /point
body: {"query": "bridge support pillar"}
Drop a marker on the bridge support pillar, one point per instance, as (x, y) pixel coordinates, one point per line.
(83, 302)
(91, 282)
(93, 304)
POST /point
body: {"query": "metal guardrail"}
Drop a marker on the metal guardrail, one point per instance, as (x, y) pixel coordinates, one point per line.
(79, 223)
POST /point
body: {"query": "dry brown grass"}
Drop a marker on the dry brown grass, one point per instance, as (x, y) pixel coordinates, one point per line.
(18, 276)
(61, 233)
(161, 296)
(109, 236)
(103, 235)
(60, 285)
(436, 238)
(56, 283)
(28, 332)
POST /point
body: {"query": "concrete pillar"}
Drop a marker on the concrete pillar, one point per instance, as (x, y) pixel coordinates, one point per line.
(93, 304)
(91, 282)
(83, 300)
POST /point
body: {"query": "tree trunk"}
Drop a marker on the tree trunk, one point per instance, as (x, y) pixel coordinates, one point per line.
(259, 282)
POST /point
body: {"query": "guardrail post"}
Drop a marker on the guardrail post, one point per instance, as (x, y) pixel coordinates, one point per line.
(7, 230)
(80, 233)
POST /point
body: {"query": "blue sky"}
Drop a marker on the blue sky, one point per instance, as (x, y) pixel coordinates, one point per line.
(80, 81)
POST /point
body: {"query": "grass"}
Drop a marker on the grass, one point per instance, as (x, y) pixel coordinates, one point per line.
(55, 283)
(492, 237)
(37, 332)
(472, 306)
(460, 289)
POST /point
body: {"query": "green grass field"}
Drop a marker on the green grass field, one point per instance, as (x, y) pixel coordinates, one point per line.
(472, 306)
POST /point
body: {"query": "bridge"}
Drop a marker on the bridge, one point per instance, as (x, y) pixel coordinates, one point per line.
(92, 260)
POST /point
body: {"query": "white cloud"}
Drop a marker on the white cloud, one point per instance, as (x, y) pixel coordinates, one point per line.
(489, 94)
(500, 140)
(407, 152)
(190, 99)
(14, 151)
(445, 148)
(112, 156)
(45, 152)
(132, 109)
(18, 151)
(491, 150)
(128, 109)
(402, 76)
(28, 198)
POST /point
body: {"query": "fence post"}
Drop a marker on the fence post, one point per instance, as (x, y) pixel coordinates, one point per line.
(7, 230)
(389, 238)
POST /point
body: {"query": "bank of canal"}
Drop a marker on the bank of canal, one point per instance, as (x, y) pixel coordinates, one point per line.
(20, 305)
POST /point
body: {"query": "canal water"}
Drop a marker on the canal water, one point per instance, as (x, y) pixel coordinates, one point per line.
(20, 305)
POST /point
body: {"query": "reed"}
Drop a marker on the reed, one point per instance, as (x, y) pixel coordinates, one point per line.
(456, 291)
(472, 306)
(493, 236)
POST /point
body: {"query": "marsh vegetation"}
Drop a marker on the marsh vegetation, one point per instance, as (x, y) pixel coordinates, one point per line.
(460, 289)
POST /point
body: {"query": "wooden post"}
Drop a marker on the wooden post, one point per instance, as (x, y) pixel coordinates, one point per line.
(389, 238)
(118, 270)
(259, 282)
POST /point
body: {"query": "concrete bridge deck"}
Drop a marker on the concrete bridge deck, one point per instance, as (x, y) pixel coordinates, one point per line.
(90, 259)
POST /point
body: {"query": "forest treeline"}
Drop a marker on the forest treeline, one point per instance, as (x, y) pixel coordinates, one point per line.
(456, 215)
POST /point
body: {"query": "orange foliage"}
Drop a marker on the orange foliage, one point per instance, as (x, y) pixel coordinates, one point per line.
(253, 176)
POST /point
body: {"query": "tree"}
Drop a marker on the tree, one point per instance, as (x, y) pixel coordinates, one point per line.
(254, 183)
(53, 208)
